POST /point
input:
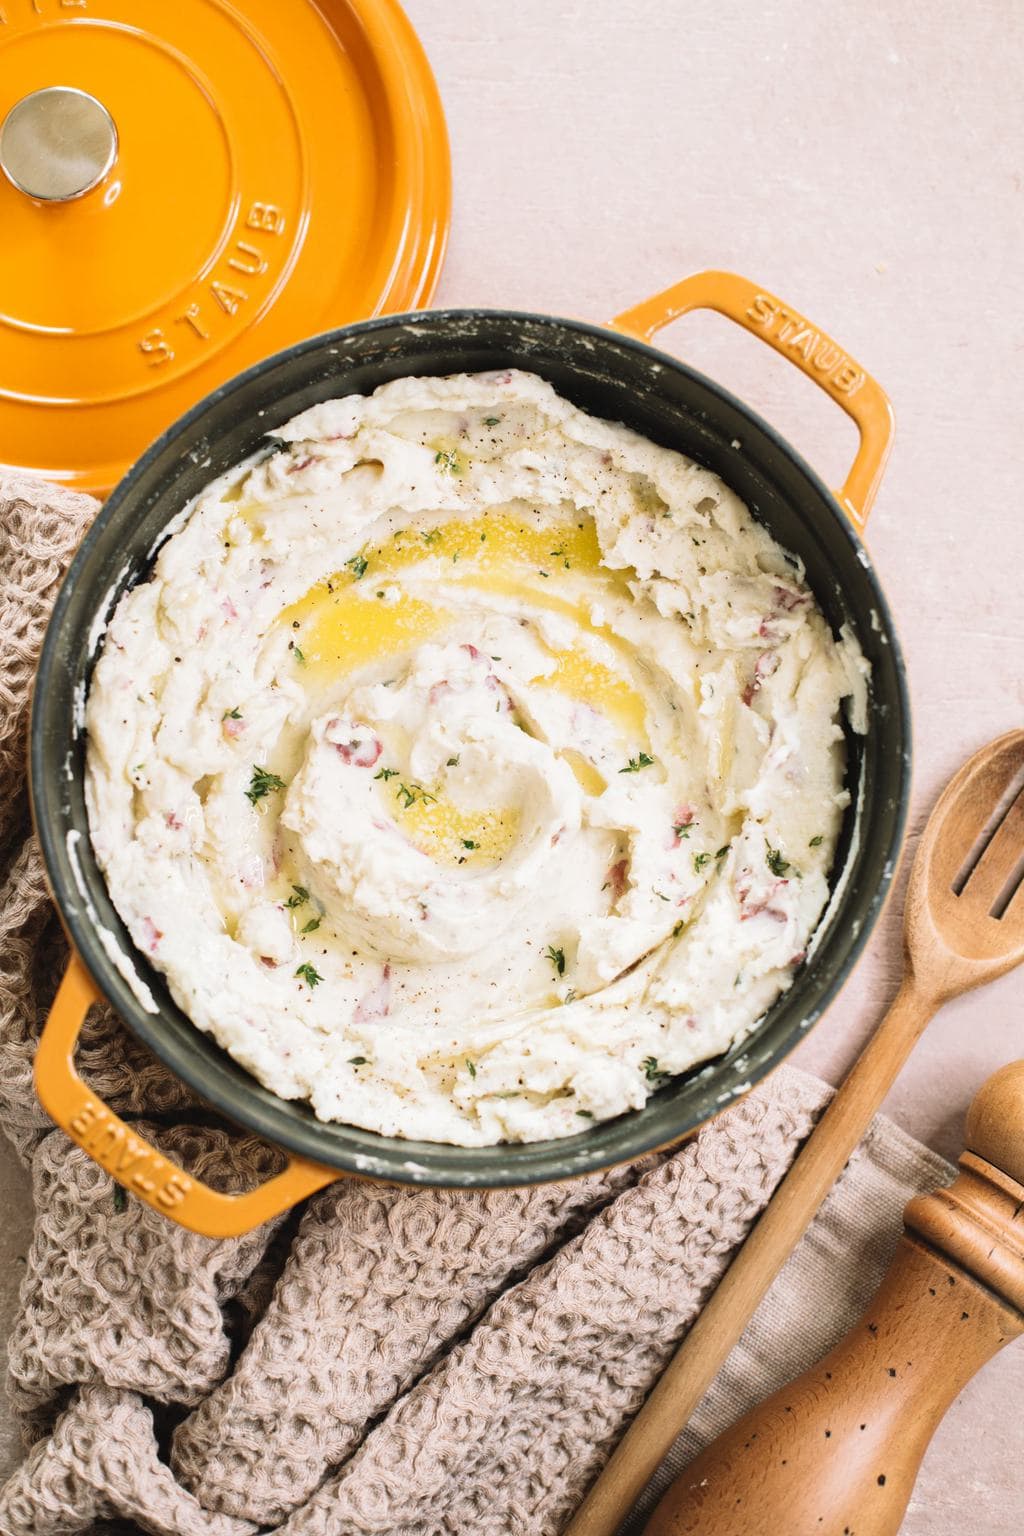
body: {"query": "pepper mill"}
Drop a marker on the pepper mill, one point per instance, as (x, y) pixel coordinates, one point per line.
(837, 1451)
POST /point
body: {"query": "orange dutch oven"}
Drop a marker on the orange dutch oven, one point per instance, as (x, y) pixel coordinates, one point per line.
(614, 372)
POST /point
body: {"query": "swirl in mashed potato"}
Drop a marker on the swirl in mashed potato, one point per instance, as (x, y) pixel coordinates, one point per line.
(470, 765)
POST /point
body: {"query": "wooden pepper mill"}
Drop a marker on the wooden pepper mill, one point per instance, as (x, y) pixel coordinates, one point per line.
(837, 1451)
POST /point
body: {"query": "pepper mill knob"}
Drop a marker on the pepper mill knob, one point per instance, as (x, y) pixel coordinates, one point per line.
(995, 1121)
(57, 144)
(839, 1448)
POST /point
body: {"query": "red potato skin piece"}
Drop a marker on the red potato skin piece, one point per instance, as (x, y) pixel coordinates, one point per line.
(375, 1004)
(153, 935)
(617, 877)
(359, 751)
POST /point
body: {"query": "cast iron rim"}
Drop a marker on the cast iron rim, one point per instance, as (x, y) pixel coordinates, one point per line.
(289, 1124)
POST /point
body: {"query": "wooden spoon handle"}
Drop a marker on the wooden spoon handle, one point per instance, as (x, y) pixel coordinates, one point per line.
(838, 1450)
(709, 1342)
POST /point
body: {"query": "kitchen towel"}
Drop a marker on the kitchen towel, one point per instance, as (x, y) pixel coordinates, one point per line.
(382, 1360)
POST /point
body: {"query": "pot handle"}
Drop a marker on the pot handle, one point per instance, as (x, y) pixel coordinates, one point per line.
(813, 352)
(119, 1150)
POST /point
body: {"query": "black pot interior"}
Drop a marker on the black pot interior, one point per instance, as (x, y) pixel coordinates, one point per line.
(610, 376)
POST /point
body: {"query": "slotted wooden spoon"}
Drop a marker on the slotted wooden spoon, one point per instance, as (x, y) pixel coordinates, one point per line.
(963, 926)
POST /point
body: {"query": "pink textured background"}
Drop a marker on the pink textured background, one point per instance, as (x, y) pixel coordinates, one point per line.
(863, 161)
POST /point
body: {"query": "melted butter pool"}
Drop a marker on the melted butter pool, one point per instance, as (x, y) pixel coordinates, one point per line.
(445, 831)
(362, 615)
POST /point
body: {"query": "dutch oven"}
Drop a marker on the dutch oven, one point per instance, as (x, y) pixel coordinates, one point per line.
(612, 372)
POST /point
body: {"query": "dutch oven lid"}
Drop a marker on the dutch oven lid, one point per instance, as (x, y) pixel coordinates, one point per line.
(188, 188)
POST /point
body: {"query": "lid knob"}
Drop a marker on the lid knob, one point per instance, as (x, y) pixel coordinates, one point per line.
(57, 144)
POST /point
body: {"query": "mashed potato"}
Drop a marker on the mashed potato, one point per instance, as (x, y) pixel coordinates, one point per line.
(470, 766)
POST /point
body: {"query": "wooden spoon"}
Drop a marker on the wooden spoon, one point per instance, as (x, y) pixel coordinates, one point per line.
(839, 1449)
(963, 926)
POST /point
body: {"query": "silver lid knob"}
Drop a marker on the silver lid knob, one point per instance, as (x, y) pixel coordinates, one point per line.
(57, 144)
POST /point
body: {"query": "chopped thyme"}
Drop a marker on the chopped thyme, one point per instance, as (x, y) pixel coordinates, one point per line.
(681, 829)
(300, 656)
(776, 863)
(636, 763)
(261, 784)
(357, 1061)
(309, 974)
(585, 1114)
(471, 1067)
(410, 793)
(120, 1198)
(652, 1071)
(431, 535)
(358, 566)
(453, 762)
(558, 553)
(448, 460)
(386, 773)
(491, 421)
(557, 958)
(467, 842)
(816, 842)
(312, 925)
(298, 897)
(545, 574)
(677, 930)
(236, 714)
(722, 852)
(570, 995)
(699, 860)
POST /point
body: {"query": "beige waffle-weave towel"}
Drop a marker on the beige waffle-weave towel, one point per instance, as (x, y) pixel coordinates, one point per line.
(382, 1361)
